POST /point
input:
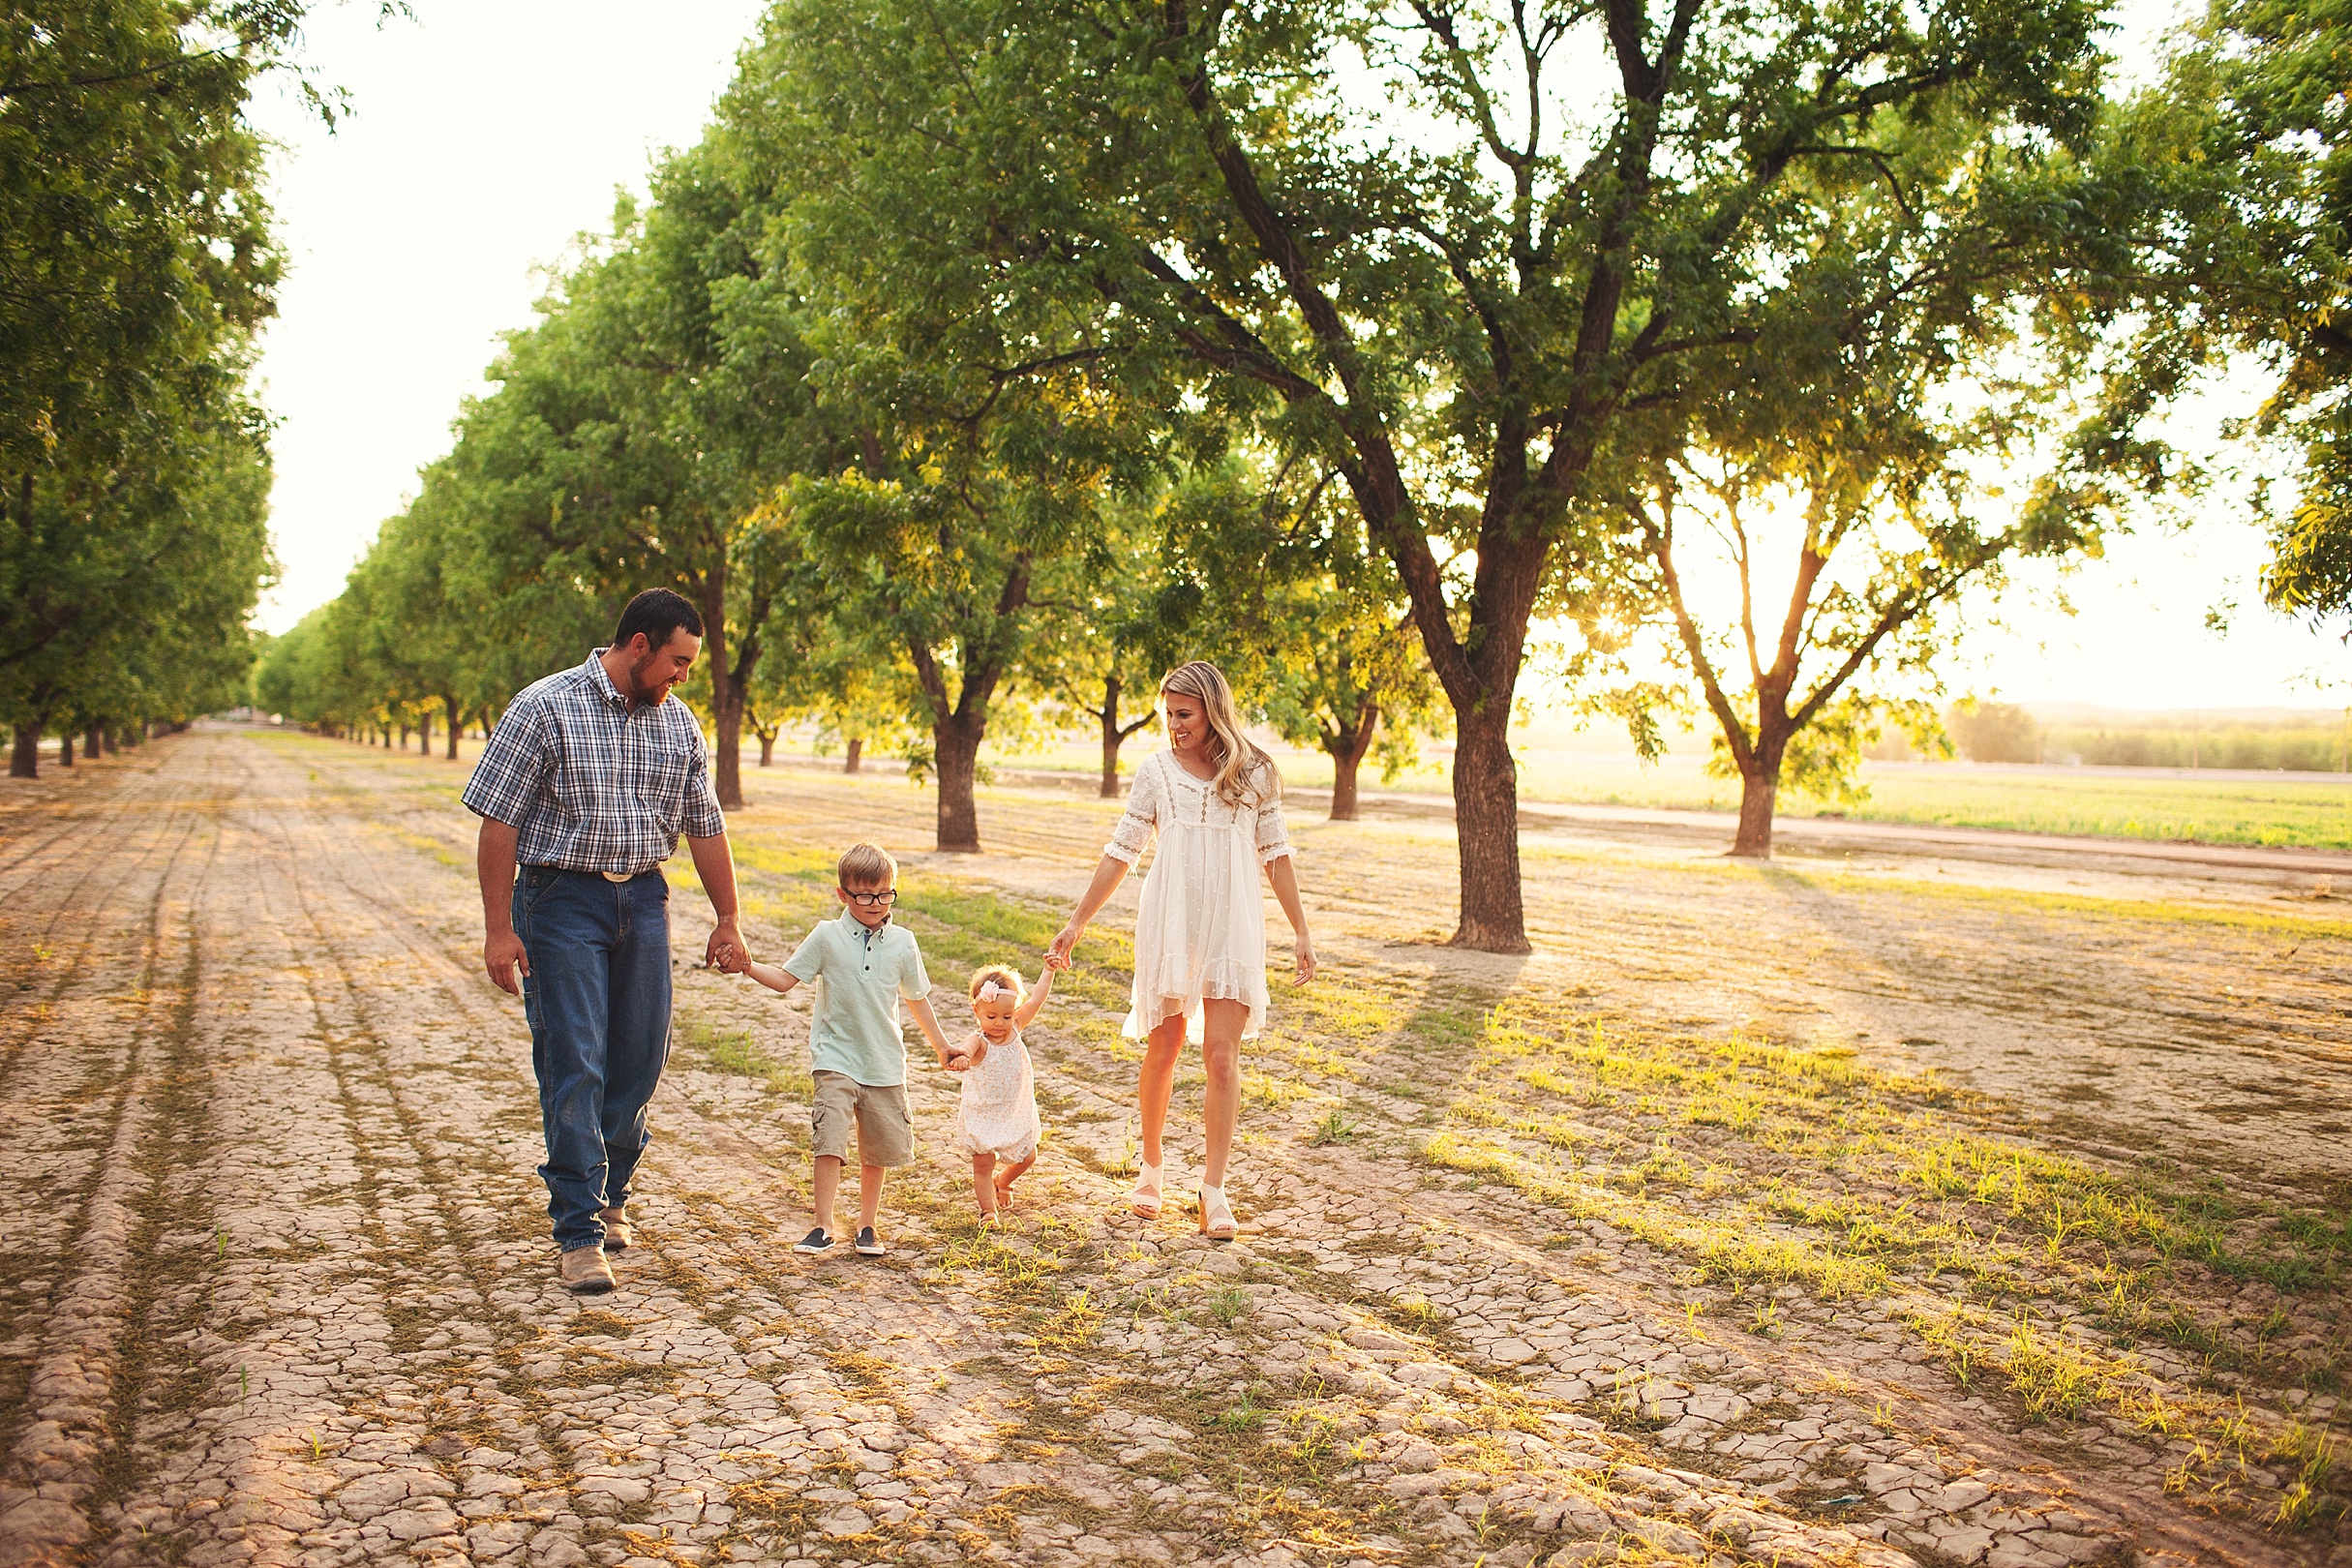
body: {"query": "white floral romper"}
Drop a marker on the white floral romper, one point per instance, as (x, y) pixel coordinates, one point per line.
(998, 1112)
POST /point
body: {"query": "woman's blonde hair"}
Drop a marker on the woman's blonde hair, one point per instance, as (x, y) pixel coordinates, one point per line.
(1003, 974)
(1245, 776)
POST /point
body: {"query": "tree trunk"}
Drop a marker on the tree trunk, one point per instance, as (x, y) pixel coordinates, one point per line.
(457, 722)
(114, 740)
(1759, 794)
(1343, 767)
(727, 718)
(1112, 736)
(24, 762)
(1347, 750)
(424, 735)
(93, 741)
(404, 738)
(65, 749)
(731, 667)
(955, 744)
(767, 750)
(854, 756)
(1486, 831)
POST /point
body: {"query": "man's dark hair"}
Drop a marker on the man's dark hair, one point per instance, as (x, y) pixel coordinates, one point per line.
(657, 612)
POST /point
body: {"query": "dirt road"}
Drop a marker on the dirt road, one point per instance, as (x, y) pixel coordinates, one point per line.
(278, 1288)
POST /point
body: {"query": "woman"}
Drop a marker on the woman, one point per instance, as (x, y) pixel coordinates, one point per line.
(1200, 936)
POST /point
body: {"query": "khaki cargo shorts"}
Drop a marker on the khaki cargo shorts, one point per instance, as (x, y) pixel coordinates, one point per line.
(886, 1134)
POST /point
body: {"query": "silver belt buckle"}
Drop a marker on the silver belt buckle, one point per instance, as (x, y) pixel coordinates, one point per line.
(617, 876)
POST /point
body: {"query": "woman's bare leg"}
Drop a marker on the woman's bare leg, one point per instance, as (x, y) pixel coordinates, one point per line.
(1222, 1022)
(1156, 1082)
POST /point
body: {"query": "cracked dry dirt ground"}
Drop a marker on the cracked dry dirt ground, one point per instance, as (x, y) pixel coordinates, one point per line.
(1794, 1214)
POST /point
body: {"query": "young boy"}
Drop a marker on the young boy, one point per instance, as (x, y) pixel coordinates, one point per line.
(862, 965)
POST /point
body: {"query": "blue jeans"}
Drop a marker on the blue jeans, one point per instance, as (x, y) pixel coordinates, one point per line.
(598, 1000)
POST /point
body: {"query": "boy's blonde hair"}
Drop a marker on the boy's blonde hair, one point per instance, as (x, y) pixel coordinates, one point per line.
(867, 866)
(1003, 974)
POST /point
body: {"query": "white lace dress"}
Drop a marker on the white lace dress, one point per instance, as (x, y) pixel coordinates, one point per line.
(1200, 930)
(998, 1113)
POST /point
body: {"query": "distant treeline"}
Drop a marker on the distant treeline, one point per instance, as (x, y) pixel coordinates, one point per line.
(2010, 732)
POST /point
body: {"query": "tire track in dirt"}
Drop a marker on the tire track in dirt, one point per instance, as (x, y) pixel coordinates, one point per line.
(232, 1468)
(126, 777)
(67, 1437)
(29, 1018)
(449, 1268)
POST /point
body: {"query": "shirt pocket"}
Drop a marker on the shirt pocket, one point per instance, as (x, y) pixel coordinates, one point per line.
(661, 782)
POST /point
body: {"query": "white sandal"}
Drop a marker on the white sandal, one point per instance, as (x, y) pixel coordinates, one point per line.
(1144, 1202)
(1216, 1222)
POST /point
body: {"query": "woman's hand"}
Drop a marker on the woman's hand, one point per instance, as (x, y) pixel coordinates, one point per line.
(1304, 952)
(1056, 957)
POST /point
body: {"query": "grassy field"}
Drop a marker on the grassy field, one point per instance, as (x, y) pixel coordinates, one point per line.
(2311, 812)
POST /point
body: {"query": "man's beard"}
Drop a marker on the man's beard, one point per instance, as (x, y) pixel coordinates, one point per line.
(638, 692)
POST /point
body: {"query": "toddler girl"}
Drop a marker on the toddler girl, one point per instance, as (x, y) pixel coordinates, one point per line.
(998, 1116)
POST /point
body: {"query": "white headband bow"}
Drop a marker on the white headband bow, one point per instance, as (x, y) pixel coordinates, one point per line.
(989, 988)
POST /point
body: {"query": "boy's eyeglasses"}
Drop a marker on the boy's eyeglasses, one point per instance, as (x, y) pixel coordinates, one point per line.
(870, 900)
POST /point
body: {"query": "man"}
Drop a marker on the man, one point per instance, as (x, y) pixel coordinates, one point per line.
(585, 784)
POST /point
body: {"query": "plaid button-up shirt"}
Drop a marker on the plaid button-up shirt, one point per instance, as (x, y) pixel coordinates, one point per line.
(591, 783)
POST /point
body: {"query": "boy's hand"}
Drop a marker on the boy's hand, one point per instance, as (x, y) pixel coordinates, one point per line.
(734, 960)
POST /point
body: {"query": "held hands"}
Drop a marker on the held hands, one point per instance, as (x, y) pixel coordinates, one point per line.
(726, 938)
(1056, 957)
(502, 955)
(732, 960)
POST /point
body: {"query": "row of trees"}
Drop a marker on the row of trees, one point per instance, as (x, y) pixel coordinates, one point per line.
(1380, 351)
(136, 264)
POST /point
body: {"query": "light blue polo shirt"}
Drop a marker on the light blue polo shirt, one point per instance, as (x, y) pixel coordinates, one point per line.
(860, 975)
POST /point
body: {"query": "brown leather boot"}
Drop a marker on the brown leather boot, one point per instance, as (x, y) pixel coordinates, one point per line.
(616, 1232)
(585, 1272)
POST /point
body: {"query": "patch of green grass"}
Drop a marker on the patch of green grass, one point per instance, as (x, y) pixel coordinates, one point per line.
(1334, 1127)
(734, 1051)
(1228, 1306)
(2051, 1373)
(1244, 1414)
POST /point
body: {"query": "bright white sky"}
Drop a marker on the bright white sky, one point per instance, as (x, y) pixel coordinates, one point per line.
(486, 133)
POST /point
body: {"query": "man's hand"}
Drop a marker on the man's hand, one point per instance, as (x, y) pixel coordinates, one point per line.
(726, 936)
(502, 955)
